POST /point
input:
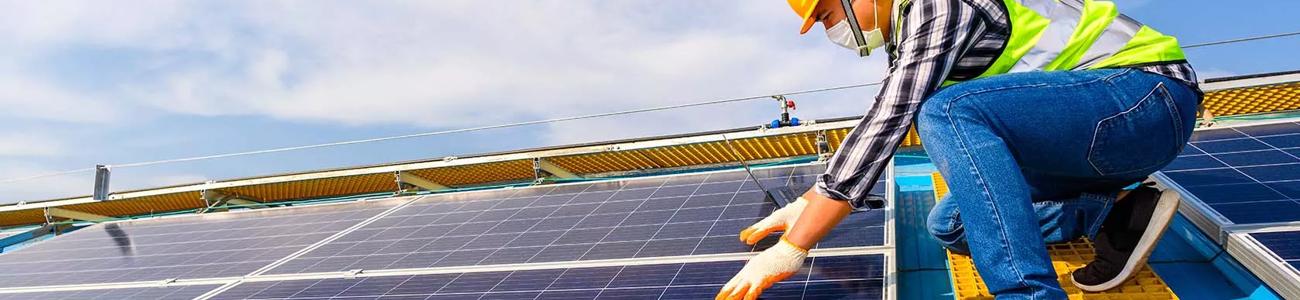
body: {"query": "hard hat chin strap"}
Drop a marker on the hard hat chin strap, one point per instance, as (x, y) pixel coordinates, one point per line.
(860, 39)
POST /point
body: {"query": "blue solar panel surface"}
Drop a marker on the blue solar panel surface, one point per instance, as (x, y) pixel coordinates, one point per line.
(1285, 244)
(1247, 174)
(842, 277)
(651, 217)
(167, 292)
(209, 245)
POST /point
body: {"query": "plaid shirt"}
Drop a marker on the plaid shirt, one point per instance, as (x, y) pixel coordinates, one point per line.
(938, 40)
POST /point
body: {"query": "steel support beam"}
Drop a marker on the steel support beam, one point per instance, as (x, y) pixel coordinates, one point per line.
(216, 198)
(549, 167)
(75, 215)
(246, 203)
(421, 182)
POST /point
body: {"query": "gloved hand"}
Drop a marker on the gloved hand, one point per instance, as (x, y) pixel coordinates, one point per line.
(769, 267)
(780, 220)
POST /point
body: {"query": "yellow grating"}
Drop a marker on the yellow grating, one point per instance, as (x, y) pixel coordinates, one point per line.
(319, 188)
(513, 170)
(836, 137)
(966, 283)
(22, 217)
(719, 152)
(1250, 100)
(604, 162)
(143, 205)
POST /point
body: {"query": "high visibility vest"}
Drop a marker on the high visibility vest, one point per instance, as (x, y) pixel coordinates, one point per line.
(1057, 35)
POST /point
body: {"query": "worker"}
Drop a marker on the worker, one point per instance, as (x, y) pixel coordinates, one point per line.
(1038, 113)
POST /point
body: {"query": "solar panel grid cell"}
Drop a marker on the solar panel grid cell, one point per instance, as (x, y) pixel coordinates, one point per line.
(1246, 174)
(845, 277)
(216, 245)
(1286, 245)
(634, 218)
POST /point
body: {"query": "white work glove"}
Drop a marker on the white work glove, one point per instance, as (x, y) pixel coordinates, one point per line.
(769, 267)
(780, 220)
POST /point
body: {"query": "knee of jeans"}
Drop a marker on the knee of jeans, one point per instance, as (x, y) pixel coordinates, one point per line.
(937, 110)
(943, 222)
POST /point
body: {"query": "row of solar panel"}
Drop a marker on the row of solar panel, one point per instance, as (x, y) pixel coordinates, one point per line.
(1248, 175)
(161, 249)
(842, 277)
(550, 223)
(573, 227)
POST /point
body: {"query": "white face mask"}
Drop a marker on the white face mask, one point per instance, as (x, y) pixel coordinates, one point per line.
(842, 34)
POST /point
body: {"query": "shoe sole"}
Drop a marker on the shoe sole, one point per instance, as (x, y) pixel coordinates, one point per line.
(1161, 216)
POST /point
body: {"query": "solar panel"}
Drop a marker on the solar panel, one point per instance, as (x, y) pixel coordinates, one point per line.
(836, 277)
(651, 217)
(208, 245)
(1248, 174)
(165, 292)
(1286, 245)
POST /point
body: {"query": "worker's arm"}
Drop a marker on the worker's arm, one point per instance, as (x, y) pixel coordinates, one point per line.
(933, 34)
(821, 215)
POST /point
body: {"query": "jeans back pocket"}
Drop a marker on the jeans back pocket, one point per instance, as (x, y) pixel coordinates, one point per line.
(1140, 139)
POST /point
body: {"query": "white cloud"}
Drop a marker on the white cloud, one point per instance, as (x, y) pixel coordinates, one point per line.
(440, 64)
(39, 100)
(449, 63)
(17, 144)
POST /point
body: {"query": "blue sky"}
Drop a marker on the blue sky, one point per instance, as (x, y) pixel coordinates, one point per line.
(96, 82)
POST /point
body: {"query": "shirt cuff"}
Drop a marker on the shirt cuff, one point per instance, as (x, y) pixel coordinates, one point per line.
(821, 189)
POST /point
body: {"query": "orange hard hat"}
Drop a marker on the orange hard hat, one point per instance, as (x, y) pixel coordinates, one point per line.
(804, 8)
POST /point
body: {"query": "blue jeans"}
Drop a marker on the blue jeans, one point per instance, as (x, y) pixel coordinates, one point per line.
(1039, 157)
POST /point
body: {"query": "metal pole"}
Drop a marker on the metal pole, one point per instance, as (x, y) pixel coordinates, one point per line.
(101, 182)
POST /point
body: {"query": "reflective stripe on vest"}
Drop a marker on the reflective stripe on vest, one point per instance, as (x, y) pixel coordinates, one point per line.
(1056, 35)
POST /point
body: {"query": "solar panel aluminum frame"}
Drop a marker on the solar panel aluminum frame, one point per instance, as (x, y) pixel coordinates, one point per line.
(1273, 270)
(1205, 218)
(1213, 224)
(214, 282)
(866, 250)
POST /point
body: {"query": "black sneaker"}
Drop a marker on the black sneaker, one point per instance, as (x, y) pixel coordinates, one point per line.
(1126, 238)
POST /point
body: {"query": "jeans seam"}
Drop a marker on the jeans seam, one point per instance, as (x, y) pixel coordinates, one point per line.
(1101, 217)
(1020, 275)
(1092, 146)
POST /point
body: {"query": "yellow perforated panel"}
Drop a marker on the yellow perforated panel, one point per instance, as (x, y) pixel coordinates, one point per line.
(1251, 100)
(479, 173)
(318, 188)
(604, 162)
(836, 137)
(22, 217)
(143, 205)
(966, 283)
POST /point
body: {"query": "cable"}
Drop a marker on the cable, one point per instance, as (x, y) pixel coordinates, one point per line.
(52, 174)
(433, 133)
(1246, 39)
(480, 128)
(543, 121)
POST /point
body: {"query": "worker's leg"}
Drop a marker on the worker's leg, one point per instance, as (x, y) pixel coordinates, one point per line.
(1058, 220)
(994, 139)
(1067, 208)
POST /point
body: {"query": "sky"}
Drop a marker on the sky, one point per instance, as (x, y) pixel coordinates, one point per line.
(95, 82)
